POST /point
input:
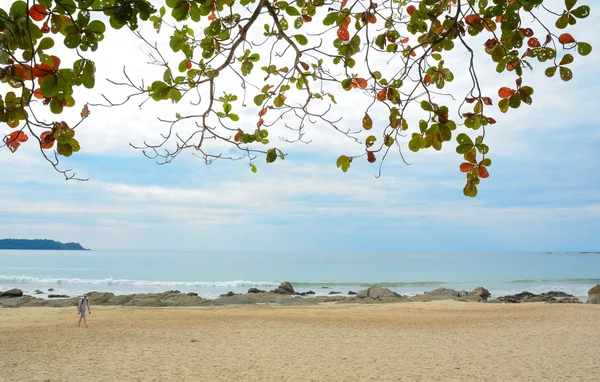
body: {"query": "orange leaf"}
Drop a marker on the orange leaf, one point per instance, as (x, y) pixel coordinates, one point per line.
(382, 95)
(410, 10)
(23, 72)
(37, 93)
(427, 80)
(361, 82)
(344, 2)
(188, 64)
(483, 172)
(372, 18)
(472, 19)
(466, 167)
(343, 34)
(260, 122)
(566, 38)
(505, 92)
(37, 12)
(42, 70)
(18, 136)
(212, 16)
(404, 40)
(262, 112)
(47, 140)
(238, 136)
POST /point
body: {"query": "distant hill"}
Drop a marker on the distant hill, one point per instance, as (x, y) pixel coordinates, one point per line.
(39, 244)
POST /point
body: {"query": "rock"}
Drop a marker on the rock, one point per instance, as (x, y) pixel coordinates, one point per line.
(255, 290)
(100, 298)
(324, 287)
(37, 291)
(310, 292)
(17, 302)
(351, 293)
(58, 296)
(551, 297)
(478, 294)
(285, 288)
(594, 295)
(192, 294)
(228, 294)
(51, 290)
(481, 292)
(11, 293)
(332, 292)
(376, 292)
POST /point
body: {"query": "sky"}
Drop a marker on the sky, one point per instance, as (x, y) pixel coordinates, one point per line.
(542, 193)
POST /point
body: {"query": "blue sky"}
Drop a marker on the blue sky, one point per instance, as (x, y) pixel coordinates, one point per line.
(542, 193)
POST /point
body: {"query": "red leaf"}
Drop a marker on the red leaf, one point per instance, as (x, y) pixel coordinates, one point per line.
(487, 101)
(490, 43)
(343, 34)
(519, 81)
(472, 19)
(18, 136)
(533, 43)
(491, 121)
(371, 157)
(483, 172)
(404, 40)
(212, 16)
(304, 65)
(238, 136)
(42, 70)
(37, 12)
(37, 93)
(505, 92)
(260, 122)
(527, 32)
(427, 80)
(382, 95)
(466, 167)
(344, 2)
(188, 64)
(566, 38)
(262, 112)
(410, 10)
(372, 18)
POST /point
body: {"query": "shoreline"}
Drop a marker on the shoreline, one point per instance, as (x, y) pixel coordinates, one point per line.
(436, 341)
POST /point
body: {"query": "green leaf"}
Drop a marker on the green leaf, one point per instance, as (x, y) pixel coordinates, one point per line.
(343, 162)
(567, 59)
(279, 100)
(64, 149)
(565, 73)
(562, 21)
(87, 76)
(464, 139)
(302, 40)
(569, 4)
(583, 48)
(581, 12)
(370, 141)
(56, 107)
(259, 99)
(503, 105)
(426, 106)
(45, 43)
(550, 71)
(514, 101)
(486, 162)
(233, 117)
(253, 169)
(271, 155)
(49, 86)
(291, 11)
(227, 107)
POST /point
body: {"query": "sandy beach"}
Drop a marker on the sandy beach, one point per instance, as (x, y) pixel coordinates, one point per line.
(434, 341)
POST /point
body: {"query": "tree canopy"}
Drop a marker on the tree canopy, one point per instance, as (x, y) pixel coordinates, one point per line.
(291, 58)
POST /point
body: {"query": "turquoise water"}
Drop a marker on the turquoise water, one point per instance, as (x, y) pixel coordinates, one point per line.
(210, 274)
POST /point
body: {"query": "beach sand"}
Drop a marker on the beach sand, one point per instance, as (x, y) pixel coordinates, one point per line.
(431, 341)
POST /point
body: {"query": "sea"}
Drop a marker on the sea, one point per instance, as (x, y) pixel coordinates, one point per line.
(211, 274)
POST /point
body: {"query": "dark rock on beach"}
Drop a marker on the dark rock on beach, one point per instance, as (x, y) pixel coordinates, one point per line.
(255, 290)
(351, 293)
(550, 297)
(11, 293)
(284, 288)
(37, 291)
(228, 294)
(51, 290)
(594, 295)
(332, 292)
(192, 294)
(58, 296)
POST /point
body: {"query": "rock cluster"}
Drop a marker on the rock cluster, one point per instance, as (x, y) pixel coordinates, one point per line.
(550, 297)
(594, 295)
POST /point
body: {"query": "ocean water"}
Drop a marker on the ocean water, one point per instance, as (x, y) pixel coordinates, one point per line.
(213, 273)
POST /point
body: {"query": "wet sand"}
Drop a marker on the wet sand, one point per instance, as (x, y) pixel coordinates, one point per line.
(433, 341)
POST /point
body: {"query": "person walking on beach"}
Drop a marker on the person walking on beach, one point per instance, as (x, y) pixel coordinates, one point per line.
(83, 302)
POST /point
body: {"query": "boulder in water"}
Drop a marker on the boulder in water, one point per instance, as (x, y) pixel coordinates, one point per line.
(58, 296)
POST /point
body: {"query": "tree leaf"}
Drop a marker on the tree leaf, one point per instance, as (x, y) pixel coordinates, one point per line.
(367, 122)
(301, 39)
(581, 12)
(566, 38)
(565, 73)
(550, 71)
(583, 48)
